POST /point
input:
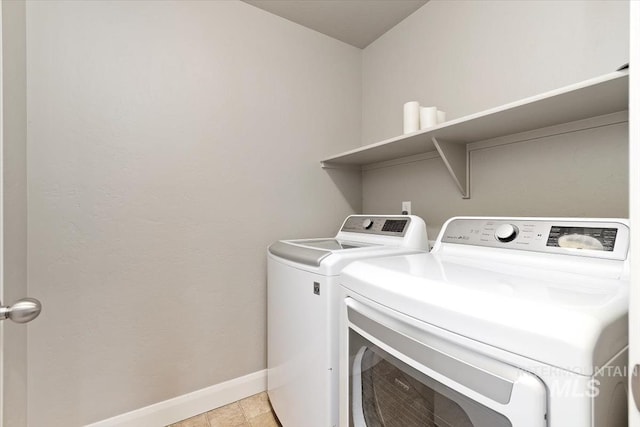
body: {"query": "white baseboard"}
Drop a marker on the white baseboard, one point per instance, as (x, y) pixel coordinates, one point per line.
(179, 408)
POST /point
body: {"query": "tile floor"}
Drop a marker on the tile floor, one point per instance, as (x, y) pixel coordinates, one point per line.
(254, 411)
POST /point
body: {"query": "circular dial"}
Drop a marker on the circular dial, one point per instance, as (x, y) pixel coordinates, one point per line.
(506, 232)
(367, 223)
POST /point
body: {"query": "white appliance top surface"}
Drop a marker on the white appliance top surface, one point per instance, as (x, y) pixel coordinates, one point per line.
(331, 244)
(566, 311)
(359, 237)
(329, 262)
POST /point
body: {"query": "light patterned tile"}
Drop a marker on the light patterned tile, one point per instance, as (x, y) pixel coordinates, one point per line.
(264, 420)
(227, 416)
(254, 411)
(255, 405)
(197, 421)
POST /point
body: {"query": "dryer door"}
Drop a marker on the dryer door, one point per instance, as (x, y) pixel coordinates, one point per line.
(402, 375)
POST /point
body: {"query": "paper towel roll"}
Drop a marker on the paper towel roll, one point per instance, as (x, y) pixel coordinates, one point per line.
(442, 116)
(428, 117)
(411, 116)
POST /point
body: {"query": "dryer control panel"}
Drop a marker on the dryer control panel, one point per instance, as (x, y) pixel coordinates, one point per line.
(589, 237)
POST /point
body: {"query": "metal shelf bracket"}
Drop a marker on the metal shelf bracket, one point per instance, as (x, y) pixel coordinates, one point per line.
(456, 159)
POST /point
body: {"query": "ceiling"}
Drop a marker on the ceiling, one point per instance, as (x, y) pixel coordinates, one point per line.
(356, 22)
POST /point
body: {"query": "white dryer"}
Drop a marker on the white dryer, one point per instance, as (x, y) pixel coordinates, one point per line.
(508, 322)
(302, 311)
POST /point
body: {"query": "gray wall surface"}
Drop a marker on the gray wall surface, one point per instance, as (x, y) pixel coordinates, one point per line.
(169, 143)
(14, 209)
(468, 56)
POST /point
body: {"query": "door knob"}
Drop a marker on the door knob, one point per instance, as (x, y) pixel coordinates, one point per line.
(23, 311)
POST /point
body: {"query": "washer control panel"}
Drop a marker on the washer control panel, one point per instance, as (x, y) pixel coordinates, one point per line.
(594, 238)
(385, 226)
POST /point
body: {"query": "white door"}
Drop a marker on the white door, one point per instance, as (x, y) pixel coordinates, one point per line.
(13, 217)
(634, 205)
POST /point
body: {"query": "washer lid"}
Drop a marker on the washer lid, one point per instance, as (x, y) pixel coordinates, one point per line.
(312, 251)
(331, 244)
(300, 254)
(571, 321)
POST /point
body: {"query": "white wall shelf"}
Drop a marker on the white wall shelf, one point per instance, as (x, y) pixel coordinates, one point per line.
(591, 98)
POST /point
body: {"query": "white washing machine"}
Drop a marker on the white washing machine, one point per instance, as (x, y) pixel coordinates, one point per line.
(302, 311)
(508, 322)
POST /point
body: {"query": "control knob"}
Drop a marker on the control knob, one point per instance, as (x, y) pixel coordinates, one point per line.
(506, 232)
(367, 223)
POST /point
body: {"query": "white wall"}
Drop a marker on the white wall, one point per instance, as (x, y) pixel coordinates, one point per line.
(14, 209)
(169, 144)
(467, 56)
